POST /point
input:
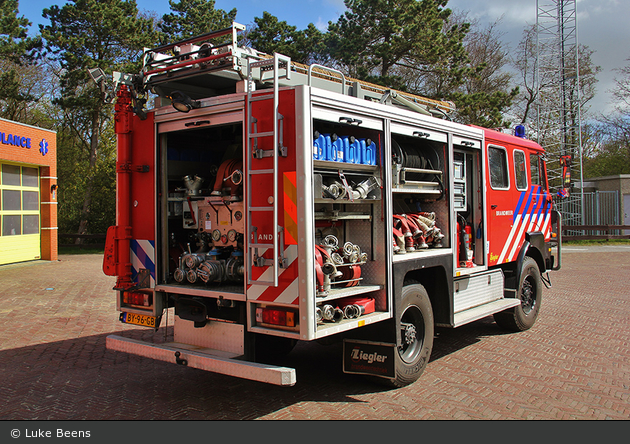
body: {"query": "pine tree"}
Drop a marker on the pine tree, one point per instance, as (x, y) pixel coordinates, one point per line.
(270, 35)
(193, 17)
(16, 62)
(83, 34)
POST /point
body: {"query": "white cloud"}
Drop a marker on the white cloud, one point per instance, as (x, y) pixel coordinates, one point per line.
(337, 3)
(321, 24)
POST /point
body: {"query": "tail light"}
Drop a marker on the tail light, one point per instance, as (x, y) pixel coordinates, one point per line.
(137, 298)
(276, 316)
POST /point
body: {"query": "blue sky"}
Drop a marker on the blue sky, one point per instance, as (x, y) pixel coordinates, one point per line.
(602, 24)
(296, 12)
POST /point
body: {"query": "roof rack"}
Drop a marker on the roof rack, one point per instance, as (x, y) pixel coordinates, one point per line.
(203, 66)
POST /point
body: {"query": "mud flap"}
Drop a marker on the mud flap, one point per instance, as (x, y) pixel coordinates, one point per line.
(369, 358)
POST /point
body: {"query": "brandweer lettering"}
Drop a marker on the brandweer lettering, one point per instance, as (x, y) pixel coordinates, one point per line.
(15, 140)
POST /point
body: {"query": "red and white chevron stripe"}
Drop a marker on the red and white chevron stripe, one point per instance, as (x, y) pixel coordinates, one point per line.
(287, 290)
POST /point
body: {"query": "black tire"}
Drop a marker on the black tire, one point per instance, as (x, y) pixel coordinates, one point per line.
(416, 323)
(523, 317)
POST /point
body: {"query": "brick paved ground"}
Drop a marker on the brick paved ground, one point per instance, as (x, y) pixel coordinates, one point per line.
(574, 363)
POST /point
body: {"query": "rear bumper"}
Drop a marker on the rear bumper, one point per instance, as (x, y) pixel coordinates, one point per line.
(211, 360)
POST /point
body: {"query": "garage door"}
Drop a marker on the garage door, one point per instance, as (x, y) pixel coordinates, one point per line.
(19, 214)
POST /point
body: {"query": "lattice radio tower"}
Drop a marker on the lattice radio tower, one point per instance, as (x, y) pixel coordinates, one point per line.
(559, 125)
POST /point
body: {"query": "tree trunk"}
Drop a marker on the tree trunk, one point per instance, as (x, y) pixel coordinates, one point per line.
(87, 197)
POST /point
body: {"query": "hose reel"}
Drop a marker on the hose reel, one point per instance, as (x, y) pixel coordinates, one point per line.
(417, 164)
(413, 156)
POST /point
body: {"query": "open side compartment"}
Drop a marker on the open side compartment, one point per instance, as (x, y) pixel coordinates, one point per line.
(469, 254)
(349, 227)
(420, 169)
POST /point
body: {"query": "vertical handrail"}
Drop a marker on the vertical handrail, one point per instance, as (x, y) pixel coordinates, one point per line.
(275, 63)
(248, 193)
(276, 102)
(316, 65)
(276, 154)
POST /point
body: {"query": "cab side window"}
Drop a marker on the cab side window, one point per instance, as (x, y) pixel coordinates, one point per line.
(534, 168)
(497, 160)
(520, 172)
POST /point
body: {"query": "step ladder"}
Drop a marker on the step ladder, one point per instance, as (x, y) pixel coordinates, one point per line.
(253, 153)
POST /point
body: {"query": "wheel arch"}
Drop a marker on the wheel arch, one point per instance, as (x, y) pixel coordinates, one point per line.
(536, 249)
(435, 281)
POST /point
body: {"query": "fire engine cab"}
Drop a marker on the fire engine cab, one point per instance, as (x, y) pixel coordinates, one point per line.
(270, 202)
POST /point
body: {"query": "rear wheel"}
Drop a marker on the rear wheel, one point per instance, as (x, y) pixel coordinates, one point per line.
(523, 317)
(416, 331)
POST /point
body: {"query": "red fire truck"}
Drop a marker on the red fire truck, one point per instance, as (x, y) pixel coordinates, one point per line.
(269, 202)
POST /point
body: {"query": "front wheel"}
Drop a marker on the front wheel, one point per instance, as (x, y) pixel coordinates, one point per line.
(522, 317)
(416, 331)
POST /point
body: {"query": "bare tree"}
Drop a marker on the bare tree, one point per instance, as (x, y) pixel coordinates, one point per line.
(621, 91)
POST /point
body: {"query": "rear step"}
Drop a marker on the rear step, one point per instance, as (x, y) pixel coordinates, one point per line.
(481, 311)
(216, 361)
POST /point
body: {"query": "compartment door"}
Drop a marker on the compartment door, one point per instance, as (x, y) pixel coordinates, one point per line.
(272, 195)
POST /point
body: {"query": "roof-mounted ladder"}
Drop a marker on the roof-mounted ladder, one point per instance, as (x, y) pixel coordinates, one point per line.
(175, 65)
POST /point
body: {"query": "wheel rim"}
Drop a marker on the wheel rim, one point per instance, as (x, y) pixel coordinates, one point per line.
(528, 295)
(411, 333)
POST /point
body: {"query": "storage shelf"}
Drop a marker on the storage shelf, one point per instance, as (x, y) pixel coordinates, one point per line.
(402, 189)
(429, 252)
(192, 197)
(463, 271)
(342, 215)
(351, 167)
(323, 200)
(227, 291)
(338, 293)
(331, 328)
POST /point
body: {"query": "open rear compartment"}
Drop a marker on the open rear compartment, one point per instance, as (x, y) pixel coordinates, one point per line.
(349, 226)
(201, 226)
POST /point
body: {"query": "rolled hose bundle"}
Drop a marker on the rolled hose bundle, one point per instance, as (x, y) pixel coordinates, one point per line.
(332, 262)
(416, 231)
(348, 308)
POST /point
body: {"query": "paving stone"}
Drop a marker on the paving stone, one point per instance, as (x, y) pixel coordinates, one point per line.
(573, 364)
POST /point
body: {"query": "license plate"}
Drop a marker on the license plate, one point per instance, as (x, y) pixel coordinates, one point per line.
(139, 319)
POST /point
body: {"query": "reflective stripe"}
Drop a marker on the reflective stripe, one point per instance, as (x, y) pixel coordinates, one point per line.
(287, 290)
(142, 256)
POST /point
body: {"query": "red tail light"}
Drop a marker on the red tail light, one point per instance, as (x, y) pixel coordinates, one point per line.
(276, 316)
(136, 298)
